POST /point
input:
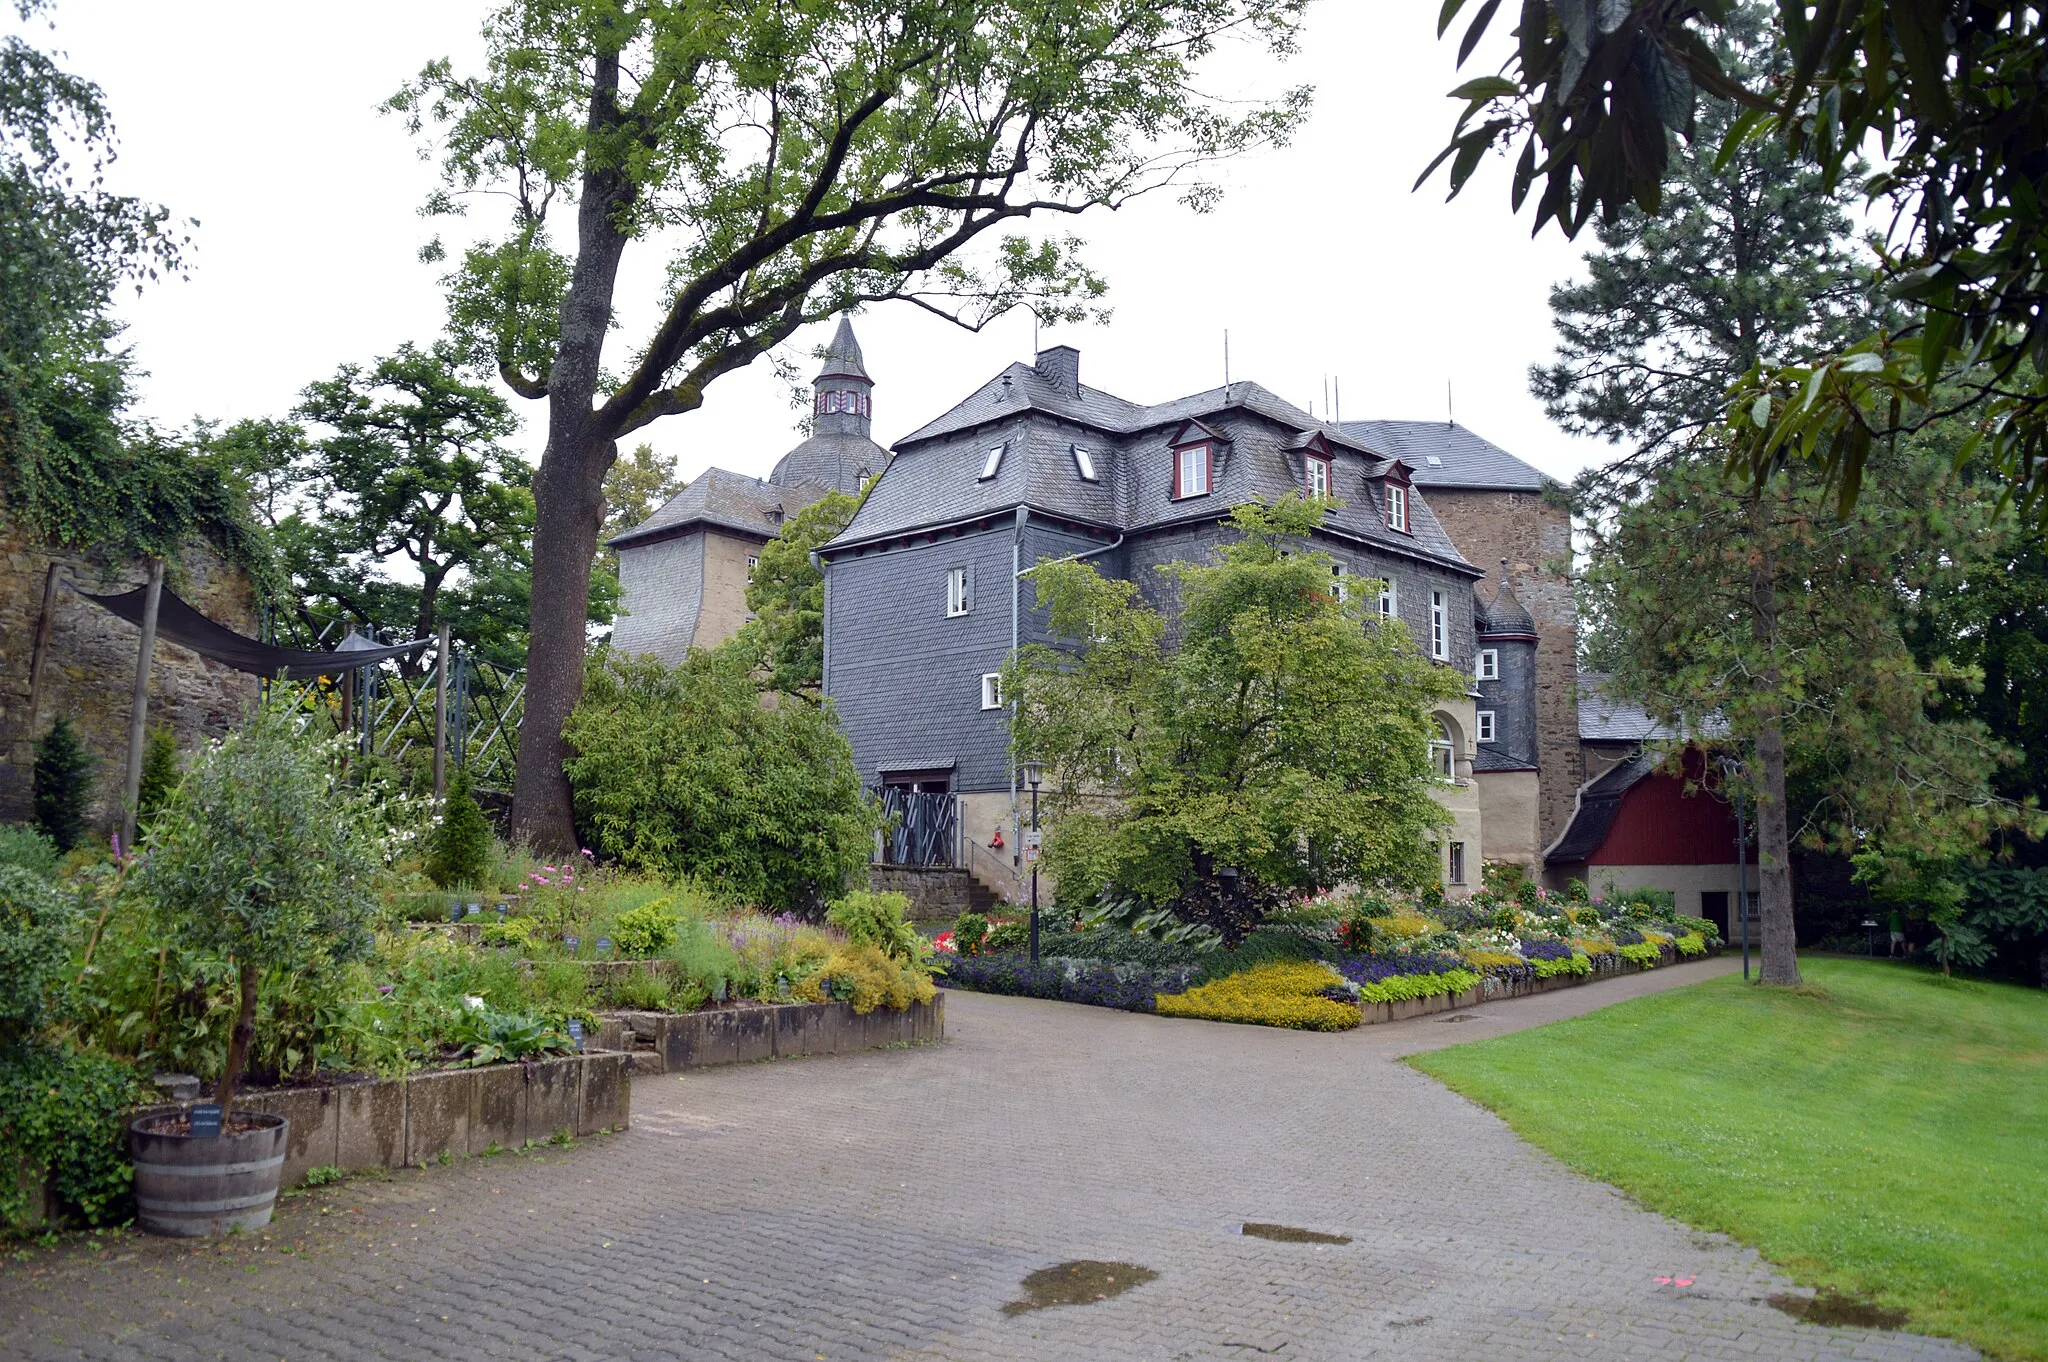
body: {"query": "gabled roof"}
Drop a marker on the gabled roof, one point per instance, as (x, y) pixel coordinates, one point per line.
(722, 500)
(1444, 454)
(1599, 800)
(1604, 719)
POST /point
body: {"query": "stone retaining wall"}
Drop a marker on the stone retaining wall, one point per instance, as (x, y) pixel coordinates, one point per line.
(663, 1042)
(1496, 990)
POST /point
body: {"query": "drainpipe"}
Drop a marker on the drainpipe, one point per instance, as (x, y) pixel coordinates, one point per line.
(1016, 584)
(825, 623)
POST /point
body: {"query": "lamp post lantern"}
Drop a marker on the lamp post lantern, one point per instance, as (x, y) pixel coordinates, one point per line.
(1034, 772)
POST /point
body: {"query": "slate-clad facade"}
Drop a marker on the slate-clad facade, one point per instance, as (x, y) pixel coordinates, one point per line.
(997, 483)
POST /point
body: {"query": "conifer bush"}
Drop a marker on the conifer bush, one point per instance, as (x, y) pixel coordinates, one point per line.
(63, 785)
(459, 848)
(159, 774)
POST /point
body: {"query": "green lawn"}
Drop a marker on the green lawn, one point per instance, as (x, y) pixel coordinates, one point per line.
(1881, 1131)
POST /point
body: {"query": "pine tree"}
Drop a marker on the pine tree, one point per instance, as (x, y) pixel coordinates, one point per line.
(459, 848)
(64, 785)
(159, 774)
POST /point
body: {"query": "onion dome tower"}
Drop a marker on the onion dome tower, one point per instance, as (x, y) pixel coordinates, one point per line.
(840, 455)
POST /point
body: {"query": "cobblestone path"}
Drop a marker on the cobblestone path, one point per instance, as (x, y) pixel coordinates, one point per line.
(888, 1205)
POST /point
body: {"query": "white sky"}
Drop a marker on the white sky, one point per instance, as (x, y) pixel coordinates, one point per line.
(260, 120)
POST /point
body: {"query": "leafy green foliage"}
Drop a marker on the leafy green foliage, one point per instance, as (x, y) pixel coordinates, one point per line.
(1293, 995)
(27, 847)
(63, 778)
(159, 774)
(646, 931)
(787, 594)
(970, 930)
(61, 1110)
(459, 847)
(795, 163)
(682, 772)
(872, 919)
(1280, 749)
(36, 920)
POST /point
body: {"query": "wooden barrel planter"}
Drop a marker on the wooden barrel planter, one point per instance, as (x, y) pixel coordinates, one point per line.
(194, 1186)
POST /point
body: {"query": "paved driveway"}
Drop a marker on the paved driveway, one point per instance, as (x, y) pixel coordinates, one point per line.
(889, 1205)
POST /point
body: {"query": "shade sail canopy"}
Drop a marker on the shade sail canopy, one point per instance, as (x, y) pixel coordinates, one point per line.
(177, 622)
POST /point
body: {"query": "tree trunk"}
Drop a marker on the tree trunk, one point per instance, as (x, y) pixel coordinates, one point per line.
(238, 1044)
(1773, 829)
(568, 496)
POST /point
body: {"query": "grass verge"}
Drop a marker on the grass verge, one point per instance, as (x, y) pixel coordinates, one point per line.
(1880, 1131)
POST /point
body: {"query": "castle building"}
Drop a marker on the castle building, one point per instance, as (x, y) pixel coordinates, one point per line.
(925, 601)
(683, 572)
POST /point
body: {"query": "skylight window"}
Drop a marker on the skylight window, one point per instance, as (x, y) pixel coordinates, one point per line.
(994, 461)
(1435, 462)
(1084, 464)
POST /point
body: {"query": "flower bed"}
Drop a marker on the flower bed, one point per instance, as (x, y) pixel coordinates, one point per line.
(1296, 996)
(1097, 983)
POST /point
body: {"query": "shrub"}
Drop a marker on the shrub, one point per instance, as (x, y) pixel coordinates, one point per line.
(35, 926)
(871, 919)
(969, 930)
(159, 775)
(1013, 936)
(646, 931)
(643, 990)
(859, 973)
(61, 1111)
(1692, 943)
(704, 961)
(27, 847)
(1289, 995)
(519, 933)
(682, 772)
(1641, 953)
(266, 859)
(1570, 964)
(63, 785)
(1401, 987)
(460, 846)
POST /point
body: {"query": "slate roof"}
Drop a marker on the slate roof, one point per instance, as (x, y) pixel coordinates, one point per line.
(935, 477)
(835, 460)
(1444, 454)
(1604, 719)
(1487, 757)
(723, 500)
(1506, 614)
(1599, 800)
(842, 356)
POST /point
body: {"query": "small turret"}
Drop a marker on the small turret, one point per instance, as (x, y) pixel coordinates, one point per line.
(1506, 679)
(842, 399)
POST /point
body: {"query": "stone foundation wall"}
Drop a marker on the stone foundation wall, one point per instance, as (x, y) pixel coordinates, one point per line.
(90, 671)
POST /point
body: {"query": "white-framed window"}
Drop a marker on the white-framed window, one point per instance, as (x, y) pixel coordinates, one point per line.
(991, 690)
(1457, 863)
(1191, 472)
(1390, 601)
(957, 600)
(1397, 508)
(1084, 464)
(1317, 482)
(1485, 733)
(1340, 582)
(1488, 668)
(1439, 627)
(1442, 755)
(993, 462)
(753, 561)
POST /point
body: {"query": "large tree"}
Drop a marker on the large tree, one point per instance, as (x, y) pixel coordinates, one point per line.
(408, 463)
(791, 161)
(1950, 89)
(1280, 746)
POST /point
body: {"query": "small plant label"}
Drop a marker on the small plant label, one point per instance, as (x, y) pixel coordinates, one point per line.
(476, 910)
(604, 945)
(570, 943)
(455, 912)
(576, 1034)
(206, 1120)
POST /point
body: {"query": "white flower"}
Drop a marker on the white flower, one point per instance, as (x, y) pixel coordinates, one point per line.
(472, 1002)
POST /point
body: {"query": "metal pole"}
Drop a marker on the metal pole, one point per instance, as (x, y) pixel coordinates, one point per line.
(440, 711)
(138, 713)
(1742, 875)
(1034, 872)
(45, 622)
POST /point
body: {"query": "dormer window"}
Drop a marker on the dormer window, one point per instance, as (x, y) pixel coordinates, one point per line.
(992, 463)
(1084, 464)
(1191, 471)
(1316, 483)
(1397, 508)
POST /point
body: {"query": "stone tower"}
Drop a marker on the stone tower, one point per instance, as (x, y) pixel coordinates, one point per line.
(1508, 747)
(840, 455)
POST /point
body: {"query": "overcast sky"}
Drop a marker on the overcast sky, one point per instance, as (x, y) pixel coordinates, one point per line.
(261, 121)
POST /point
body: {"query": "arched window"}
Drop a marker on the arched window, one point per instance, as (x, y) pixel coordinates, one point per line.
(1443, 753)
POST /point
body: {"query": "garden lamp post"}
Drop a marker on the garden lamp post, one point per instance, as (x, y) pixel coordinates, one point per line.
(1732, 769)
(1034, 772)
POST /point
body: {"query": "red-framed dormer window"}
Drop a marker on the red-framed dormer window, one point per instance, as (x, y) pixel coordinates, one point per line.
(1397, 507)
(1316, 480)
(1192, 470)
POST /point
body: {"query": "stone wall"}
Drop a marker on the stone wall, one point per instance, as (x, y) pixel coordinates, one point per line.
(661, 594)
(726, 574)
(1535, 537)
(90, 671)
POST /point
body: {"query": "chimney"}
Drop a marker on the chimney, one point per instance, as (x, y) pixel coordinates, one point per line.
(1061, 367)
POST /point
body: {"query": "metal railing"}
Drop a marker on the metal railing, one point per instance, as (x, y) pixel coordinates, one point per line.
(922, 829)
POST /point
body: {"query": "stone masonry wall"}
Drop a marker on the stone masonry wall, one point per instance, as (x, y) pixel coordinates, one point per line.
(90, 672)
(1535, 538)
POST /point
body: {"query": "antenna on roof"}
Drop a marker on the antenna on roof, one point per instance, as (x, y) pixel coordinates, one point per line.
(1450, 410)
(1226, 356)
(1034, 331)
(1337, 387)
(1326, 397)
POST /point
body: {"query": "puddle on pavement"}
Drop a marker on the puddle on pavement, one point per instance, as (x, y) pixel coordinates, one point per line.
(1840, 1312)
(1078, 1283)
(1287, 1234)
